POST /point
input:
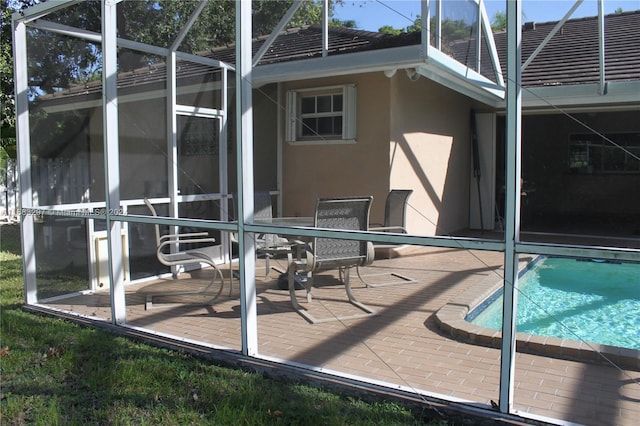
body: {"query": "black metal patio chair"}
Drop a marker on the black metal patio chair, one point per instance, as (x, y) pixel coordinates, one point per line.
(333, 254)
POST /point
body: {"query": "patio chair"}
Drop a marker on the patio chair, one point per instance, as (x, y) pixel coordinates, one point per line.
(395, 210)
(170, 251)
(331, 254)
(267, 245)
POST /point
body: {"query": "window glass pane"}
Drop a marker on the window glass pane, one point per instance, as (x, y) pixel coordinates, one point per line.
(309, 127)
(337, 125)
(321, 116)
(197, 136)
(578, 158)
(595, 157)
(633, 159)
(337, 103)
(308, 105)
(324, 103)
(325, 126)
(613, 159)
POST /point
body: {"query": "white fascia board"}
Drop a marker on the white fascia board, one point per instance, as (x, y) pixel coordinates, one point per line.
(456, 83)
(582, 95)
(348, 63)
(439, 67)
(460, 72)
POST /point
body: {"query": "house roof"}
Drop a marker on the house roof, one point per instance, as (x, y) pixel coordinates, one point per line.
(306, 42)
(569, 58)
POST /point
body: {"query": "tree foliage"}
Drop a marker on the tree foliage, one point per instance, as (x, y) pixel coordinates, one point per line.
(7, 97)
(57, 62)
(451, 29)
(499, 21)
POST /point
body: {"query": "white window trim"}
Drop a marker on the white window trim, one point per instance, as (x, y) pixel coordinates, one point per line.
(349, 96)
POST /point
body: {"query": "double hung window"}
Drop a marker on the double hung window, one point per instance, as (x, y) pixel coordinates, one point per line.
(322, 115)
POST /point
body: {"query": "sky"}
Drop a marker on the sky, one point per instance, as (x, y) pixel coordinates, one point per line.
(373, 14)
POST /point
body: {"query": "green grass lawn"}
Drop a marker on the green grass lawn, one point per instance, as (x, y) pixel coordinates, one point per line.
(57, 372)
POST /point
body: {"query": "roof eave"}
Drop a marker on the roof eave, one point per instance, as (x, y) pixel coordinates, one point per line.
(620, 94)
(462, 80)
(343, 64)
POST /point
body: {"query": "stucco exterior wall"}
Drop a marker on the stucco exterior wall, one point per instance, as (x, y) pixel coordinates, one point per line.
(312, 171)
(265, 139)
(410, 135)
(429, 152)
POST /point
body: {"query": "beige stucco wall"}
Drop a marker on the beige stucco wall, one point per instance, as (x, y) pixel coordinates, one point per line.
(410, 135)
(312, 171)
(265, 139)
(430, 153)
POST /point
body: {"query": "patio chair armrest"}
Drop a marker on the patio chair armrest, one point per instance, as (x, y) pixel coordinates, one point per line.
(185, 235)
(371, 254)
(396, 229)
(165, 243)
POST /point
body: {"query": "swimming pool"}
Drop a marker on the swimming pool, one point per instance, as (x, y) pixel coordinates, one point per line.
(592, 301)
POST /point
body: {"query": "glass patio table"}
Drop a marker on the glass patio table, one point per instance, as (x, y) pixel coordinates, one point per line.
(281, 244)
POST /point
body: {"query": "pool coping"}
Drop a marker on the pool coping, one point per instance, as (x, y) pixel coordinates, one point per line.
(451, 320)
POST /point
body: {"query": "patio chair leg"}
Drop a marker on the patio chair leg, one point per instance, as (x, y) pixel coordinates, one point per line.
(401, 279)
(217, 273)
(352, 299)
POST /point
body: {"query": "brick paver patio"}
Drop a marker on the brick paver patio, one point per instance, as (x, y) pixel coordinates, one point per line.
(401, 345)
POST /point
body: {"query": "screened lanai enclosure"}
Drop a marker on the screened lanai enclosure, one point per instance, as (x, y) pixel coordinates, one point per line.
(150, 134)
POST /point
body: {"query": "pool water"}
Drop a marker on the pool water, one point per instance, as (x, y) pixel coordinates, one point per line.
(592, 301)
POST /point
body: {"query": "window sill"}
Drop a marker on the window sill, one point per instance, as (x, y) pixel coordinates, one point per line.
(323, 142)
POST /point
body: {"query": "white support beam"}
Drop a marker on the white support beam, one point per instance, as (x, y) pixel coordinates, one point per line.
(66, 30)
(551, 34)
(425, 35)
(478, 44)
(438, 24)
(325, 28)
(112, 158)
(223, 175)
(244, 144)
(172, 145)
(94, 37)
(491, 44)
(274, 34)
(21, 83)
(42, 9)
(601, 48)
(512, 204)
(185, 30)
